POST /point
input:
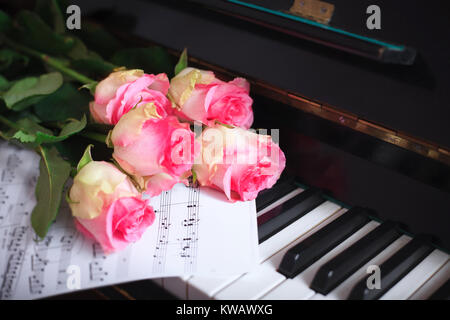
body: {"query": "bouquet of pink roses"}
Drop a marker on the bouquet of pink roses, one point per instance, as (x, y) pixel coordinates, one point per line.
(155, 148)
(161, 131)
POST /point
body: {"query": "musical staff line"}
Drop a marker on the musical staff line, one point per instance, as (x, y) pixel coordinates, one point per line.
(163, 232)
(189, 249)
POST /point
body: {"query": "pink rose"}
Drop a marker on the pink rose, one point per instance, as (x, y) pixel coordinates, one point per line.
(157, 149)
(240, 163)
(107, 207)
(123, 90)
(199, 96)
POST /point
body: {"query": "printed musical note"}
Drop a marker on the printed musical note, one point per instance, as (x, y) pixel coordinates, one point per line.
(163, 232)
(96, 272)
(37, 263)
(65, 245)
(11, 274)
(35, 284)
(3, 196)
(189, 242)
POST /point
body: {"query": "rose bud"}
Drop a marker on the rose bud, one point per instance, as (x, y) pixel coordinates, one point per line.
(199, 96)
(107, 207)
(155, 148)
(123, 90)
(239, 162)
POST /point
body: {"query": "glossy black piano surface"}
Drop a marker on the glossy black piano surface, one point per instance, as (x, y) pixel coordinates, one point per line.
(350, 166)
(412, 99)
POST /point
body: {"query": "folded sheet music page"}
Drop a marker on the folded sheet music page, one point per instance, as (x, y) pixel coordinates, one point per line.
(196, 231)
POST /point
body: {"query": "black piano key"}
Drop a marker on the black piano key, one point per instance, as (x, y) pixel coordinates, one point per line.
(304, 254)
(393, 269)
(332, 273)
(279, 190)
(281, 216)
(443, 293)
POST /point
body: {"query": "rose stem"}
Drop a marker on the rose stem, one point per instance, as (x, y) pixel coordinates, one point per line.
(9, 123)
(55, 63)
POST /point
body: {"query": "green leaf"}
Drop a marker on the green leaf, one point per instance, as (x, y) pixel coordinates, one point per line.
(31, 90)
(109, 143)
(93, 67)
(152, 60)
(79, 50)
(98, 39)
(54, 172)
(66, 102)
(86, 158)
(90, 86)
(194, 177)
(5, 22)
(88, 62)
(20, 116)
(72, 127)
(24, 137)
(9, 57)
(182, 62)
(31, 127)
(35, 33)
(4, 83)
(50, 12)
(7, 135)
(31, 132)
(26, 132)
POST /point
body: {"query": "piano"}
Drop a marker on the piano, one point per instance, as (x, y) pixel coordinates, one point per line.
(366, 136)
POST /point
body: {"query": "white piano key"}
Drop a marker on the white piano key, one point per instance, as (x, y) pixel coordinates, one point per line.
(342, 291)
(203, 288)
(417, 276)
(250, 286)
(296, 229)
(437, 280)
(298, 288)
(255, 284)
(280, 201)
(177, 286)
(290, 289)
(206, 287)
(319, 296)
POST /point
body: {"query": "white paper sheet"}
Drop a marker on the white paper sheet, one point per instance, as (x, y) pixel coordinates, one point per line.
(196, 231)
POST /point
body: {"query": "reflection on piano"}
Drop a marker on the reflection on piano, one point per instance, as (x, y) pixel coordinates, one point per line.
(368, 145)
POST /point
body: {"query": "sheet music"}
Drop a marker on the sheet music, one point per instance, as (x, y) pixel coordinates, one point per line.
(196, 231)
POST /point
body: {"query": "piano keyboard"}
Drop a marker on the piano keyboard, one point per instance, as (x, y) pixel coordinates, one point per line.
(313, 248)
